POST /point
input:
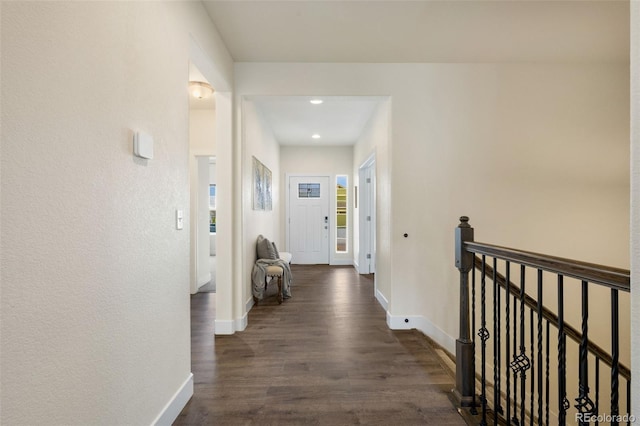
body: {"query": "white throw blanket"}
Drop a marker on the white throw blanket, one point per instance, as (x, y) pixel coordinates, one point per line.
(260, 273)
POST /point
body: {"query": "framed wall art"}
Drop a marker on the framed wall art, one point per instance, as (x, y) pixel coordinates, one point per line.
(262, 186)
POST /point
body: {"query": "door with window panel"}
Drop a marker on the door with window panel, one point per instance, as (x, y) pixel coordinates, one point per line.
(309, 219)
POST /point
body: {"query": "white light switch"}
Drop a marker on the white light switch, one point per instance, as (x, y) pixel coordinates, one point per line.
(179, 219)
(143, 145)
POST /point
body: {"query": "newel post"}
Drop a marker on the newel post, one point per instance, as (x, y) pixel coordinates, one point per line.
(465, 366)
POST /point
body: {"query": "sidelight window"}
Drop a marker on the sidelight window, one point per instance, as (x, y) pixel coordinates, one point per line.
(341, 214)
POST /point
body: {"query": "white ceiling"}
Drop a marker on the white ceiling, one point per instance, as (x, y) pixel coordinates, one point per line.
(423, 31)
(339, 120)
(400, 31)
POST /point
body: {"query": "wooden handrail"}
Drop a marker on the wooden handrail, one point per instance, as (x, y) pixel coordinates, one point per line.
(553, 318)
(616, 278)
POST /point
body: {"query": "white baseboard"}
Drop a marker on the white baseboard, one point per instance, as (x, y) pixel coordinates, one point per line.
(173, 408)
(249, 304)
(356, 266)
(407, 322)
(382, 300)
(204, 280)
(224, 327)
(439, 336)
(241, 323)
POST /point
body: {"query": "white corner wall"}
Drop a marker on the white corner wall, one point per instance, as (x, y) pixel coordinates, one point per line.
(95, 277)
(635, 202)
(322, 160)
(526, 150)
(375, 139)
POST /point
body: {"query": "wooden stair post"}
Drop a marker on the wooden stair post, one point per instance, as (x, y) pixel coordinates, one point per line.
(465, 365)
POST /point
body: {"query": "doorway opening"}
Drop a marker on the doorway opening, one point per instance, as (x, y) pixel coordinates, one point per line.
(202, 165)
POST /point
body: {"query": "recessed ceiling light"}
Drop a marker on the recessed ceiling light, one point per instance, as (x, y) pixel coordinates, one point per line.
(315, 136)
(316, 101)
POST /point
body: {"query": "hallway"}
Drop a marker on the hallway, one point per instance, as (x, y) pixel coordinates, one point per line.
(323, 357)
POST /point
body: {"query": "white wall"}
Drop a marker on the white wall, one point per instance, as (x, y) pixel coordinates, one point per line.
(95, 276)
(202, 129)
(635, 201)
(212, 173)
(528, 151)
(257, 141)
(326, 160)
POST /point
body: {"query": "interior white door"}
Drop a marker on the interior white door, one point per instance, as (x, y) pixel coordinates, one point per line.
(309, 219)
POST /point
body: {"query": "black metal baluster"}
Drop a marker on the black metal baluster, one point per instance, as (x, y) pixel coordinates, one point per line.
(523, 356)
(533, 366)
(584, 404)
(497, 409)
(546, 386)
(507, 336)
(629, 402)
(563, 403)
(514, 419)
(539, 310)
(615, 348)
(484, 335)
(597, 402)
(473, 409)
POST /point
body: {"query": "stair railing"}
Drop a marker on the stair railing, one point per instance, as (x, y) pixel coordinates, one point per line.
(521, 348)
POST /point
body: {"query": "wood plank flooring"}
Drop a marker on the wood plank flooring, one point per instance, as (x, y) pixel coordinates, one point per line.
(323, 357)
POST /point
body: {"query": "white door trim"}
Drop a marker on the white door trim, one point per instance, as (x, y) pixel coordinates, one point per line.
(367, 208)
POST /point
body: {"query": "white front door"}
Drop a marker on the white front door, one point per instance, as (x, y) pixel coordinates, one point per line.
(309, 219)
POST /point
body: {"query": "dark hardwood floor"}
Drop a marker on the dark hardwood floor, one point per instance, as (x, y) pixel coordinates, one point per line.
(323, 357)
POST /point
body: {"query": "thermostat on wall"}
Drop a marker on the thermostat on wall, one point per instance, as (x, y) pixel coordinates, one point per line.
(143, 145)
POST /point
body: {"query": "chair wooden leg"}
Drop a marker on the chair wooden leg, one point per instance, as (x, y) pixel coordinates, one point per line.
(280, 297)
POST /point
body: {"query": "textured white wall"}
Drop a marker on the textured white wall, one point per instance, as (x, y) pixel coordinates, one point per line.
(258, 141)
(95, 277)
(536, 154)
(635, 202)
(328, 160)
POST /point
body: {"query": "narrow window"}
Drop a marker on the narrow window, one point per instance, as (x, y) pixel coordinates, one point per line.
(341, 214)
(212, 208)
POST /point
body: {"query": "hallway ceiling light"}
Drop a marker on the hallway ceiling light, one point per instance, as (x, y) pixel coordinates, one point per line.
(315, 136)
(200, 89)
(316, 101)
